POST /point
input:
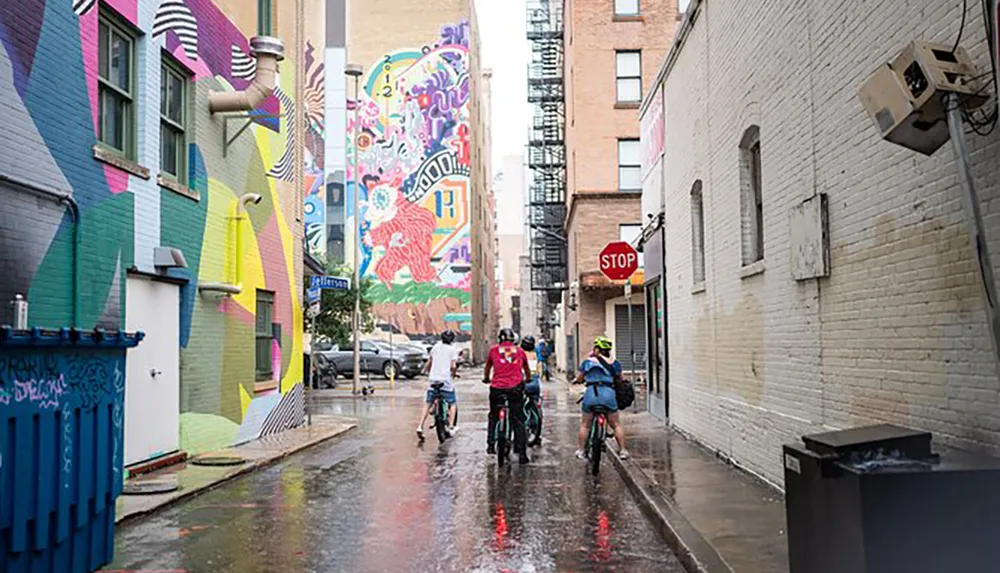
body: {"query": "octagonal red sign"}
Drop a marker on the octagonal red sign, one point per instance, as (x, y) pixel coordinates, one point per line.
(619, 260)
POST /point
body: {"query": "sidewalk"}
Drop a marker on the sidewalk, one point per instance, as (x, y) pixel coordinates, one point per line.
(717, 518)
(193, 479)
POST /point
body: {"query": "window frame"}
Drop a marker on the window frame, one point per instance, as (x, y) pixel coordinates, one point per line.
(638, 10)
(698, 233)
(263, 297)
(636, 166)
(114, 24)
(751, 197)
(169, 66)
(620, 78)
(265, 18)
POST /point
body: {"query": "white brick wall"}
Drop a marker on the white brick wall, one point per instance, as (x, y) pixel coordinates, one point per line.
(897, 332)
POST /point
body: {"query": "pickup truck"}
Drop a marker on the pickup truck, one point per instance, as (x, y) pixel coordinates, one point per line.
(374, 359)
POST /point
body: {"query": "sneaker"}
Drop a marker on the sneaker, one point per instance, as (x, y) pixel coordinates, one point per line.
(581, 455)
(420, 434)
(452, 430)
(491, 449)
(623, 454)
(523, 458)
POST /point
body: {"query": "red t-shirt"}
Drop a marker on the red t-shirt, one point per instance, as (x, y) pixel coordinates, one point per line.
(508, 365)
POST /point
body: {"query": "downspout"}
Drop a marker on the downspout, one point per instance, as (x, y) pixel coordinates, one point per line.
(241, 210)
(74, 208)
(268, 51)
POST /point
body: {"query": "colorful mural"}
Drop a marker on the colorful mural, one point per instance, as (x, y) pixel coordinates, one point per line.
(414, 153)
(73, 267)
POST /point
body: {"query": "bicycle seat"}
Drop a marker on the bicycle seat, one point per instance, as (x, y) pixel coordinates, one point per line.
(437, 385)
(600, 410)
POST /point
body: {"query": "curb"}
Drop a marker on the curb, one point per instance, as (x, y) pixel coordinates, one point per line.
(694, 551)
(242, 471)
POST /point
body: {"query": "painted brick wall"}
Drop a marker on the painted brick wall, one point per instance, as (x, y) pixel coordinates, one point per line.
(897, 332)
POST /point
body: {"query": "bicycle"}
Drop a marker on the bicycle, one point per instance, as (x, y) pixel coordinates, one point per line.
(533, 419)
(504, 433)
(596, 440)
(440, 413)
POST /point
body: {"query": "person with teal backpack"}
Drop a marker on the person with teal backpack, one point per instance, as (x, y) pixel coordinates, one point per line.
(601, 374)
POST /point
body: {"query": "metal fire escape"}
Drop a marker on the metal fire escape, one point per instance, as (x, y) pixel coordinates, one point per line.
(547, 150)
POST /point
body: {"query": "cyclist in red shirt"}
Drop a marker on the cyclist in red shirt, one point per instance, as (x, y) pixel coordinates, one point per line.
(509, 365)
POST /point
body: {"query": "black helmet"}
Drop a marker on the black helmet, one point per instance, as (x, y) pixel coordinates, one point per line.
(506, 335)
(528, 342)
(448, 336)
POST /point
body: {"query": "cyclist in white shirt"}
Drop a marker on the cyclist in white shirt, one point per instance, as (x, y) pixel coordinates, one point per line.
(442, 367)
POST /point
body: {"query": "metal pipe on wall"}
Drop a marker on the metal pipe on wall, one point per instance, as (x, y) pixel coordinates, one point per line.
(74, 208)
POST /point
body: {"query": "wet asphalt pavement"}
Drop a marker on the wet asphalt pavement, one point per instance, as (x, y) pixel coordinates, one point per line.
(374, 500)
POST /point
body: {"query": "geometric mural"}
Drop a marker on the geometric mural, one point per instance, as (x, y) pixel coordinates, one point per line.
(72, 271)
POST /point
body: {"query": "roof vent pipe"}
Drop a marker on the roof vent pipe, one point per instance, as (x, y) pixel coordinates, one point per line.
(268, 51)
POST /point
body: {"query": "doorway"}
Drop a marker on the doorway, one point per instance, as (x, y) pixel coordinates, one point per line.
(152, 383)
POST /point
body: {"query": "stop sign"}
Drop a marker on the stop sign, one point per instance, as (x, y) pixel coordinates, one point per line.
(619, 260)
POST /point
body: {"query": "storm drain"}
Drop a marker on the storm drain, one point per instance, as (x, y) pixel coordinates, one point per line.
(150, 486)
(218, 461)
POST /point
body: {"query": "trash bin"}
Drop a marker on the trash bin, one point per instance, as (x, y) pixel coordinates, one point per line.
(61, 442)
(877, 500)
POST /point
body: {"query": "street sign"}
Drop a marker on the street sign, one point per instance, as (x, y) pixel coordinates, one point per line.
(326, 281)
(628, 291)
(313, 294)
(619, 260)
(314, 309)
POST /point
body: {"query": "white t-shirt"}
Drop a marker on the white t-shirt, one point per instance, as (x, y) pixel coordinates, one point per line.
(442, 355)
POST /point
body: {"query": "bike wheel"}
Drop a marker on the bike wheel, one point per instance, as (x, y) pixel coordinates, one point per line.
(502, 444)
(596, 447)
(441, 422)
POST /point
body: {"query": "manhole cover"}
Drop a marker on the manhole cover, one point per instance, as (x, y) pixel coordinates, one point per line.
(150, 486)
(218, 461)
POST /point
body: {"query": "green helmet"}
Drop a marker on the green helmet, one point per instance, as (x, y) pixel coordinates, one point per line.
(602, 343)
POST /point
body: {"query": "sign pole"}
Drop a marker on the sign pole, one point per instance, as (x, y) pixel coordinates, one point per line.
(312, 367)
(357, 244)
(631, 335)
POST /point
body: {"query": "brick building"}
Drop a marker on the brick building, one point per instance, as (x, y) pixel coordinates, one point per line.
(149, 181)
(762, 118)
(426, 196)
(611, 50)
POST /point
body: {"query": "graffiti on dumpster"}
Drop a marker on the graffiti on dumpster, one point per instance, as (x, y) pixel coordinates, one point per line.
(63, 382)
(43, 393)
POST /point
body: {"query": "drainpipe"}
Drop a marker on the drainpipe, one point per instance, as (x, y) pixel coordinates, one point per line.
(268, 51)
(74, 209)
(241, 210)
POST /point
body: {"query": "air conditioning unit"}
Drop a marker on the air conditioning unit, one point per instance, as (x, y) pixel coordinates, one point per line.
(905, 97)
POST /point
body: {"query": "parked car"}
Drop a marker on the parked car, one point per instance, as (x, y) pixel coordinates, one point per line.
(404, 353)
(373, 359)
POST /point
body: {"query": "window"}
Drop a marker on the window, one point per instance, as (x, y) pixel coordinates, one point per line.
(264, 12)
(262, 329)
(626, 7)
(751, 200)
(115, 63)
(173, 120)
(629, 165)
(697, 234)
(628, 75)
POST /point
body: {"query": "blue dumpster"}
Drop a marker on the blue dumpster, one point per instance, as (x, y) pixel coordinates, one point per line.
(62, 407)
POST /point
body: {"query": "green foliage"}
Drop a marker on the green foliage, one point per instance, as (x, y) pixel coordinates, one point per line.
(416, 293)
(337, 307)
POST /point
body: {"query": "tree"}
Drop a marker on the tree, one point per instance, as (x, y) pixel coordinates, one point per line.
(337, 306)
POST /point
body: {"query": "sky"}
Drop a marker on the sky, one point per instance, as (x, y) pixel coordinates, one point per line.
(507, 52)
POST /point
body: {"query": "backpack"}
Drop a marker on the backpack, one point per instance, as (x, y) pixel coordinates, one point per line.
(624, 391)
